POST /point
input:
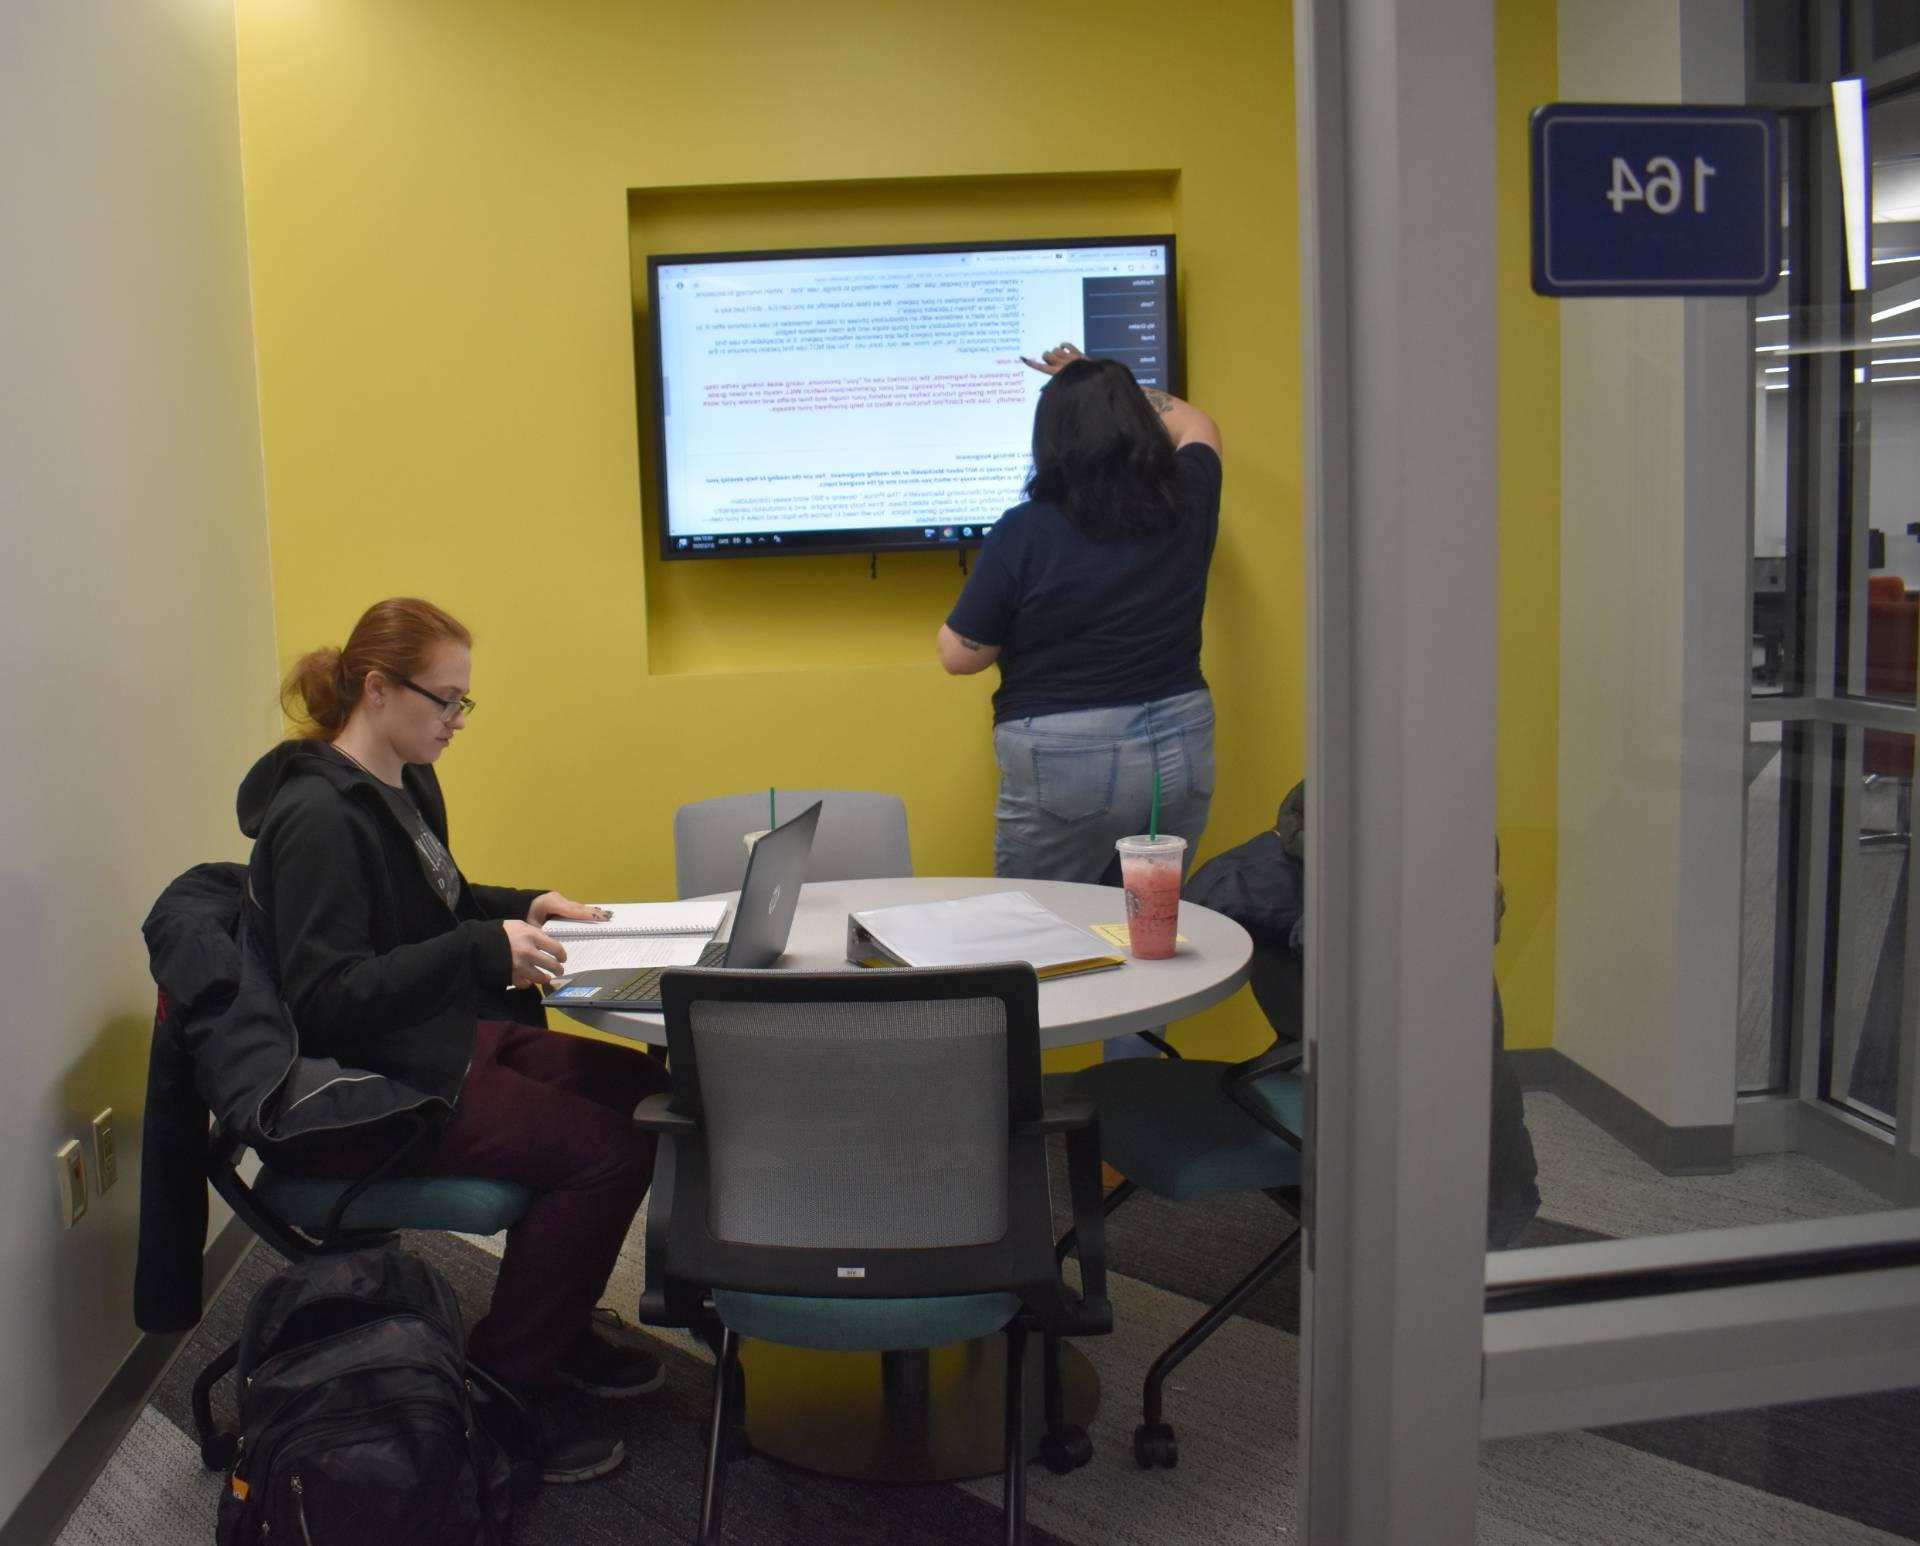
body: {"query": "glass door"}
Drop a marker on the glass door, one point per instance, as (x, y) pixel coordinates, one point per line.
(1588, 1199)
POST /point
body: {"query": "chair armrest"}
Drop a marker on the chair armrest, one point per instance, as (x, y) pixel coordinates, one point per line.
(1066, 1117)
(1281, 1057)
(1089, 1209)
(415, 1130)
(656, 1115)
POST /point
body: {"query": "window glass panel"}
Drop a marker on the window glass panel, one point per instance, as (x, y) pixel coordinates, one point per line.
(1718, 928)
(1835, 1473)
(1870, 896)
(1766, 937)
(1896, 25)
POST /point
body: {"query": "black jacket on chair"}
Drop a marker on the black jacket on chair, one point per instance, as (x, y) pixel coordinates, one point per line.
(392, 989)
(374, 967)
(193, 945)
(224, 1051)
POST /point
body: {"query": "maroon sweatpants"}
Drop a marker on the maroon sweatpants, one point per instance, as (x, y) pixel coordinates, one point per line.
(554, 1113)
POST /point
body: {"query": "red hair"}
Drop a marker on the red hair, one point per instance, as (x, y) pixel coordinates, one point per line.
(392, 637)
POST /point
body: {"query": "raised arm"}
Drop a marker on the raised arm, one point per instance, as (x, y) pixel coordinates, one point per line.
(1186, 425)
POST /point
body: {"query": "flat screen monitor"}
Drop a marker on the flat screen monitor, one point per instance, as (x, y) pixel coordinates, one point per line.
(873, 399)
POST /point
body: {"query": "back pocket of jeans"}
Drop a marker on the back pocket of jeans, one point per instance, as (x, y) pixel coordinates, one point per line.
(1074, 783)
(1197, 742)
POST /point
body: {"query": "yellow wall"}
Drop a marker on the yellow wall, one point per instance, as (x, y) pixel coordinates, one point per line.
(1527, 63)
(441, 196)
(438, 208)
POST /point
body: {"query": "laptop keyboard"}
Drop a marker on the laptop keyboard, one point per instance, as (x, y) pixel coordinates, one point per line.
(644, 985)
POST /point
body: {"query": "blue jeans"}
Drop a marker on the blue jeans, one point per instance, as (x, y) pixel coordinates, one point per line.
(1072, 784)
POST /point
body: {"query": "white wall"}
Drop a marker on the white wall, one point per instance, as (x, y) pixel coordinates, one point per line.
(1656, 463)
(136, 636)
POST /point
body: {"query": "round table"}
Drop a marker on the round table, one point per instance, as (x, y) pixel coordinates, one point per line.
(936, 1415)
(1141, 996)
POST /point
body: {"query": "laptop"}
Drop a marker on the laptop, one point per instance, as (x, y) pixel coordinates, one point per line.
(762, 920)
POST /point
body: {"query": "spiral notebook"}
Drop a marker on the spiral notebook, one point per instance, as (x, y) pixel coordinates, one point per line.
(639, 934)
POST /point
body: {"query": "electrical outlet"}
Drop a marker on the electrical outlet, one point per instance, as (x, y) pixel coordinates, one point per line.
(105, 1170)
(71, 1171)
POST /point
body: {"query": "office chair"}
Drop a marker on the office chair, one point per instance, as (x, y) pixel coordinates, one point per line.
(303, 1217)
(858, 1163)
(1893, 653)
(1187, 1129)
(224, 1049)
(861, 836)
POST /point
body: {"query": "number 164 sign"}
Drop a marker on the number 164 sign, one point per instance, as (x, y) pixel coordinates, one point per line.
(1631, 200)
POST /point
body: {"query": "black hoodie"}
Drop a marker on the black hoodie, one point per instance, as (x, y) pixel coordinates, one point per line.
(374, 967)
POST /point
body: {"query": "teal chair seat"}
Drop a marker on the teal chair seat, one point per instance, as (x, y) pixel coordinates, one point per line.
(467, 1204)
(1169, 1126)
(864, 1325)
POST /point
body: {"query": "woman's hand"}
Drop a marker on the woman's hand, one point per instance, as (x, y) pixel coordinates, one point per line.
(1054, 360)
(536, 956)
(551, 904)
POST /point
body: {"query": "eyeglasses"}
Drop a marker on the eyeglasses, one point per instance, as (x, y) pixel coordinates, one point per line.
(450, 708)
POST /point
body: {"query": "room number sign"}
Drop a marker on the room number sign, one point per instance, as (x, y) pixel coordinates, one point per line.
(1654, 200)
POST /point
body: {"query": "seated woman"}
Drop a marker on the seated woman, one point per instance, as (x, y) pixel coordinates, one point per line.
(391, 960)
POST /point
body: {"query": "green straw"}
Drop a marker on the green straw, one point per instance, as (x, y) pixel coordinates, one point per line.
(771, 823)
(1153, 816)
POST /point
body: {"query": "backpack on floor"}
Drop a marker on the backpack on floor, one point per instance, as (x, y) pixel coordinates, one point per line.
(357, 1416)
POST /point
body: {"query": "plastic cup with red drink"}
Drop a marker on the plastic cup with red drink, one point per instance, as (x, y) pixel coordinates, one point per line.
(1150, 869)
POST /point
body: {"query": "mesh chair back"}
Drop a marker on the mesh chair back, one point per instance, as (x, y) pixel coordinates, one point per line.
(852, 1134)
(861, 836)
(863, 1126)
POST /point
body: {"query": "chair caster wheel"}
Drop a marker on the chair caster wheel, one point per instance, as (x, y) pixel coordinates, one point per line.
(1154, 1447)
(1066, 1449)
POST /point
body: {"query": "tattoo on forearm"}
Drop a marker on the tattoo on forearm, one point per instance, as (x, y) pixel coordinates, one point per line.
(1162, 402)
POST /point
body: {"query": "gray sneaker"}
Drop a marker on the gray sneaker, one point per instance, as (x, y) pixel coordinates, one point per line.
(572, 1446)
(617, 1371)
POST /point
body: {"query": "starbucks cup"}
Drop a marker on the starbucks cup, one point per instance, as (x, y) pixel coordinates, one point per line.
(1150, 873)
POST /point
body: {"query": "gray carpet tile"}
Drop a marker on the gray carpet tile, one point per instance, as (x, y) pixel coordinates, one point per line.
(1828, 1472)
(1590, 1180)
(1201, 1249)
(655, 1495)
(153, 1492)
(1234, 1407)
(1855, 1457)
(1574, 1489)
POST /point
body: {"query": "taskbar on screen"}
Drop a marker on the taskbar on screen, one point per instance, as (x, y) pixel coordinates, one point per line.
(879, 539)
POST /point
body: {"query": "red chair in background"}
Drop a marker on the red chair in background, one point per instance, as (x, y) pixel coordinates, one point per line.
(1893, 653)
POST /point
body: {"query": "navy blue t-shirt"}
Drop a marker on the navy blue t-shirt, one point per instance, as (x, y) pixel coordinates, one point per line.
(1084, 624)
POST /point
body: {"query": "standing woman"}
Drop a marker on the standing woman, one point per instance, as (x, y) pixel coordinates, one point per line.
(390, 960)
(1088, 597)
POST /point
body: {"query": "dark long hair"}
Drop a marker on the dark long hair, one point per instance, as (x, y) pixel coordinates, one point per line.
(392, 636)
(1101, 453)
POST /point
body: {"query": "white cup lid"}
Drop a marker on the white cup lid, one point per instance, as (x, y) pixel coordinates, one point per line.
(1166, 843)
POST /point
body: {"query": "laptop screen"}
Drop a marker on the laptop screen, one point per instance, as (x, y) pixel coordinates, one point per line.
(776, 869)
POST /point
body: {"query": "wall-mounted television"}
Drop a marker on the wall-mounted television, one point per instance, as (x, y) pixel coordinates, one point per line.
(872, 399)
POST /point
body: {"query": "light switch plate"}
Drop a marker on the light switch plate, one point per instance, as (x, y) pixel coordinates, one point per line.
(106, 1169)
(70, 1170)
